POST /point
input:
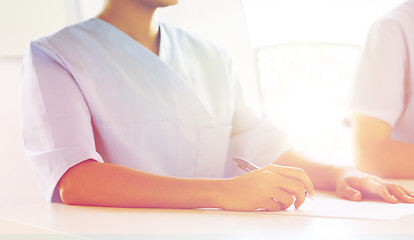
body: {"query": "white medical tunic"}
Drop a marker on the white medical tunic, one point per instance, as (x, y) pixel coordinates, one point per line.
(90, 91)
(384, 83)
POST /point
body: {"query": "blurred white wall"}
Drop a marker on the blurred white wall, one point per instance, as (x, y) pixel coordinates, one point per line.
(337, 21)
(25, 20)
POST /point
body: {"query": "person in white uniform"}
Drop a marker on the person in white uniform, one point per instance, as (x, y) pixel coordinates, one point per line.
(382, 101)
(121, 110)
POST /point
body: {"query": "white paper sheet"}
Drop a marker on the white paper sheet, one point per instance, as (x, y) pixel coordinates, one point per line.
(329, 205)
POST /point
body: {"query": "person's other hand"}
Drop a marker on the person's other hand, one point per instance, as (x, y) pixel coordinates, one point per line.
(352, 184)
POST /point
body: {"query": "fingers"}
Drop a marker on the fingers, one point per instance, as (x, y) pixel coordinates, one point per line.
(409, 193)
(372, 185)
(391, 193)
(293, 181)
(272, 205)
(297, 174)
(401, 194)
(271, 182)
(352, 183)
(296, 189)
(383, 192)
(284, 198)
(347, 192)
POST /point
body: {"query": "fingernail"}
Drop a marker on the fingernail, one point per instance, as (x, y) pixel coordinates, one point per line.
(356, 196)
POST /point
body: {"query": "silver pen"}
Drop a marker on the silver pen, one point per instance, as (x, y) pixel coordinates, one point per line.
(248, 167)
(244, 164)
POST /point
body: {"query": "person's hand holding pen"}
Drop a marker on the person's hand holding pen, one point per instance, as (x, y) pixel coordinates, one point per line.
(271, 188)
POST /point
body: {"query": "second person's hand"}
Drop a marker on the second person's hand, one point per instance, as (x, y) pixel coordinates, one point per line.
(352, 184)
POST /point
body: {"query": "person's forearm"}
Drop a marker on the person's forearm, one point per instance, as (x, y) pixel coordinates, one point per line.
(323, 176)
(103, 184)
(376, 153)
(391, 159)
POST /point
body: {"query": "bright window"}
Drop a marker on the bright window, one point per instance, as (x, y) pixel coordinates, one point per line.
(339, 21)
(307, 51)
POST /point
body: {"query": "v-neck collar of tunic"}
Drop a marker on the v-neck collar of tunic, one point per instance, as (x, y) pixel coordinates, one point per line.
(159, 66)
(127, 43)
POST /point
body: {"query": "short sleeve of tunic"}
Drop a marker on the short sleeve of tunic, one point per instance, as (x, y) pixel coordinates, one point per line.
(378, 90)
(56, 121)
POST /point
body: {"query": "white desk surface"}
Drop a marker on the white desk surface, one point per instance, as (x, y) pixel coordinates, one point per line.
(39, 220)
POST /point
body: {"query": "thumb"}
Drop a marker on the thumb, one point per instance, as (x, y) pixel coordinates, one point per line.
(344, 190)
